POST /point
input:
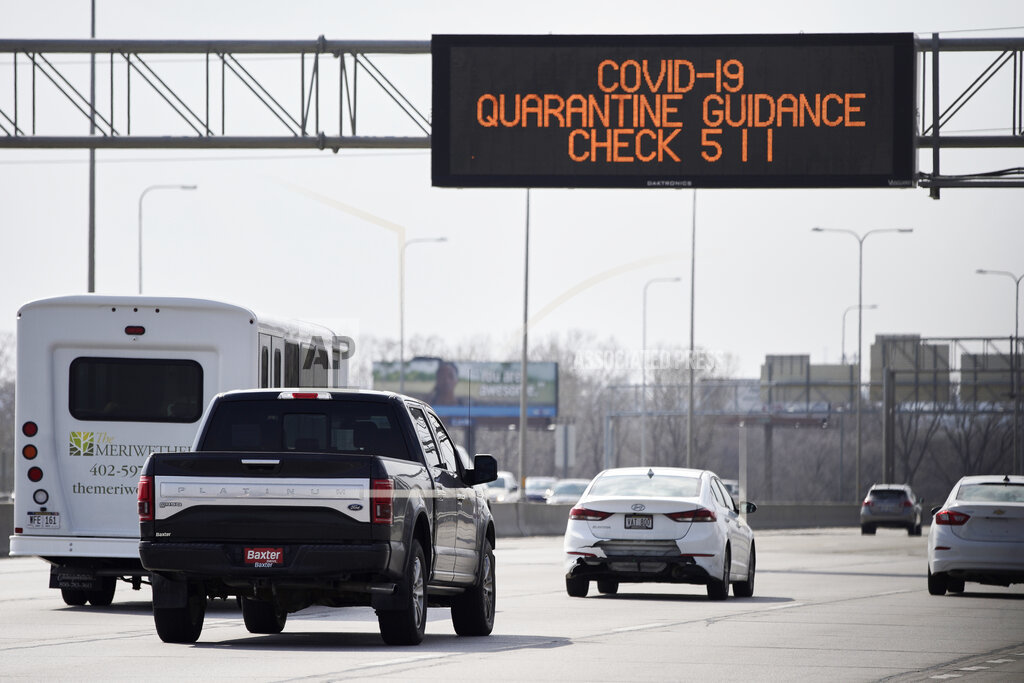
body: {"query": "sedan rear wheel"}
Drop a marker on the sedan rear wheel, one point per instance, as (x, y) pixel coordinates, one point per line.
(608, 586)
(745, 589)
(718, 589)
(576, 588)
(936, 583)
(867, 529)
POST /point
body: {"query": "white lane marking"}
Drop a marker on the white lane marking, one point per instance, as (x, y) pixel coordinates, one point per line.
(941, 676)
(973, 668)
(641, 627)
(999, 661)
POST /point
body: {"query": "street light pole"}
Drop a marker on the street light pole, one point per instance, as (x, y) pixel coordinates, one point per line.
(401, 305)
(643, 370)
(860, 329)
(848, 309)
(141, 197)
(1014, 360)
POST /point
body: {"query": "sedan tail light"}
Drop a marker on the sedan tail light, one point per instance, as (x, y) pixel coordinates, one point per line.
(588, 515)
(697, 515)
(951, 518)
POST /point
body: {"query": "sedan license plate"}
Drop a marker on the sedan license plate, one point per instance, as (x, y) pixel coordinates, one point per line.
(639, 522)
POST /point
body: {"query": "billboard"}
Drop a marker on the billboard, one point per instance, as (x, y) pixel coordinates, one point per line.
(805, 110)
(461, 391)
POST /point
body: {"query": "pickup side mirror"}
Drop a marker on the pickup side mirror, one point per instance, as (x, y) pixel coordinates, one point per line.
(485, 469)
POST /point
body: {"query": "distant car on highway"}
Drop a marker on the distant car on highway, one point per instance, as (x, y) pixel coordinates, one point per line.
(504, 489)
(539, 488)
(891, 505)
(567, 491)
(660, 524)
(977, 534)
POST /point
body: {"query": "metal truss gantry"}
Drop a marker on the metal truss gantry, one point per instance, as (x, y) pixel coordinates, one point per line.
(205, 86)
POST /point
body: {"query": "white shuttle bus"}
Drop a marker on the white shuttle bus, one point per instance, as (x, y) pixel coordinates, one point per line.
(102, 382)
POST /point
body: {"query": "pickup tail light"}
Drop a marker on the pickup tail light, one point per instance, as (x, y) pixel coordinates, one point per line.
(951, 518)
(696, 515)
(587, 515)
(382, 497)
(145, 499)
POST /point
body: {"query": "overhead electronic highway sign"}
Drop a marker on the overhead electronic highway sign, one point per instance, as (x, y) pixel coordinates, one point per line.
(804, 110)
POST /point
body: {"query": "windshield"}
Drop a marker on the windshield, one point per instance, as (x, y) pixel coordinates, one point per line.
(640, 485)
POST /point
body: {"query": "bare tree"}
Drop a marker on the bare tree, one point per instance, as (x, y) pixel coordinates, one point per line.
(916, 427)
(981, 442)
(7, 426)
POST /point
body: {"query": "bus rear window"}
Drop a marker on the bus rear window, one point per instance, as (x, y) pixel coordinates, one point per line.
(136, 390)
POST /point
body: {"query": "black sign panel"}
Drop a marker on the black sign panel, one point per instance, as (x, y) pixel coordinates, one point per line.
(807, 110)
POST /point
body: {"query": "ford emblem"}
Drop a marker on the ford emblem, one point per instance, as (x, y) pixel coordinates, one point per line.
(639, 507)
(355, 507)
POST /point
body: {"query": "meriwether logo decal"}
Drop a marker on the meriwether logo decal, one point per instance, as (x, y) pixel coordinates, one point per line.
(82, 443)
(103, 444)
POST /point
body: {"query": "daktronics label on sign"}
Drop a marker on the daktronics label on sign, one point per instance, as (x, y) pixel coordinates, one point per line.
(264, 557)
(826, 110)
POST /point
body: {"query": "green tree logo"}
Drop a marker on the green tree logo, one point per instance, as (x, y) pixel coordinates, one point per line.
(82, 443)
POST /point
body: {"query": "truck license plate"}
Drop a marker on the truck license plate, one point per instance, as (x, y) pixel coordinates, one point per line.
(44, 520)
(639, 522)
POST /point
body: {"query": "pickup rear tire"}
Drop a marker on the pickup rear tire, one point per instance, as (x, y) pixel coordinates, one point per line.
(473, 611)
(261, 616)
(406, 626)
(74, 597)
(181, 624)
(104, 595)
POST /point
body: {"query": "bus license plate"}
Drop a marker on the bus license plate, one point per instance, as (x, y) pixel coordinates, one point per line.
(639, 522)
(44, 520)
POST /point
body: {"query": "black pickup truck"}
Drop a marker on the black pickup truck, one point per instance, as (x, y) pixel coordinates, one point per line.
(293, 498)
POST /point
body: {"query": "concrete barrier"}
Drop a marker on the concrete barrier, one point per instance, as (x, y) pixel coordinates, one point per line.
(536, 519)
(6, 527)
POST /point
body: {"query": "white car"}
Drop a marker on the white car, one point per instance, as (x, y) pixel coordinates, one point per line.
(567, 491)
(978, 534)
(504, 489)
(659, 524)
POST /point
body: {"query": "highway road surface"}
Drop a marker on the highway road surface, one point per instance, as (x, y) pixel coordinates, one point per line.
(829, 605)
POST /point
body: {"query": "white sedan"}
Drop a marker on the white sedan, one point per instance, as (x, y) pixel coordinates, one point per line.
(659, 524)
(978, 535)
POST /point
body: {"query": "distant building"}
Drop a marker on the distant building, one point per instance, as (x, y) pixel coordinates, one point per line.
(792, 382)
(986, 378)
(920, 371)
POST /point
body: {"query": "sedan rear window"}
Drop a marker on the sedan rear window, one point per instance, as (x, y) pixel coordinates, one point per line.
(888, 494)
(641, 485)
(992, 493)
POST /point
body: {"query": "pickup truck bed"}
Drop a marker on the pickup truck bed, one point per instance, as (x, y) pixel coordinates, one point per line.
(296, 498)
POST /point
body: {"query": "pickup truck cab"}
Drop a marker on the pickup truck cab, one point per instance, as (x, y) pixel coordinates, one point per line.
(293, 498)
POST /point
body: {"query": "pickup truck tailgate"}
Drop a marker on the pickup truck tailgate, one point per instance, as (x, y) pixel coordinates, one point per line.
(252, 496)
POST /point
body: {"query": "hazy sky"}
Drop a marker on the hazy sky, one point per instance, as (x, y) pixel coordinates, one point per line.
(264, 229)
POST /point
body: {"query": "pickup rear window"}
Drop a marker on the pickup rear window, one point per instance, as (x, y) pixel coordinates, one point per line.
(312, 426)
